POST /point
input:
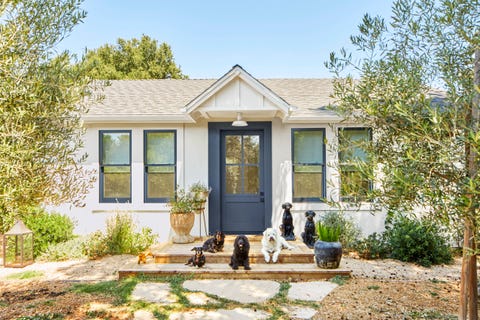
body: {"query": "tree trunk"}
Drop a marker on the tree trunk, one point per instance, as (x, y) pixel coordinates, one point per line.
(468, 284)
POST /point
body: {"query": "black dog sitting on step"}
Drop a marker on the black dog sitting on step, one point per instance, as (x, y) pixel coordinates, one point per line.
(241, 249)
(309, 235)
(198, 259)
(214, 244)
(287, 223)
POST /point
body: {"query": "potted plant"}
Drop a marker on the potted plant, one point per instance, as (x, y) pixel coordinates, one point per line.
(327, 249)
(199, 192)
(182, 216)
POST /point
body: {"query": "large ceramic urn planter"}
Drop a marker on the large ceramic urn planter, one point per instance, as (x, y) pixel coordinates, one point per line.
(182, 224)
(327, 254)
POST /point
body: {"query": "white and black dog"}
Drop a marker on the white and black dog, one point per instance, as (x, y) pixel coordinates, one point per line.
(272, 244)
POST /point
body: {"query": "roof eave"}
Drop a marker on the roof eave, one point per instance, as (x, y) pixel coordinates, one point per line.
(138, 118)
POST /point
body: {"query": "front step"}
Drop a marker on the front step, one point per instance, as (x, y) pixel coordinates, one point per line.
(293, 265)
(180, 253)
(282, 272)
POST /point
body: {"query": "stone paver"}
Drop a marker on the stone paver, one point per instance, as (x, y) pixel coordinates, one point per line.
(199, 298)
(300, 313)
(143, 315)
(244, 291)
(310, 291)
(155, 292)
(234, 314)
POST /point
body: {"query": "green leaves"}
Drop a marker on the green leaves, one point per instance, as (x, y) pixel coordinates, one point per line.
(42, 98)
(420, 134)
(133, 59)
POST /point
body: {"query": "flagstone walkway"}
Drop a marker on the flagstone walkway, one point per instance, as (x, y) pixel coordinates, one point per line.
(243, 291)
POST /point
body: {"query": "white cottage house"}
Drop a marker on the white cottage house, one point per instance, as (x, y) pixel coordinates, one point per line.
(256, 142)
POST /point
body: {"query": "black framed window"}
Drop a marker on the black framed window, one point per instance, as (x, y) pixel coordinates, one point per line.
(354, 182)
(160, 160)
(115, 166)
(308, 164)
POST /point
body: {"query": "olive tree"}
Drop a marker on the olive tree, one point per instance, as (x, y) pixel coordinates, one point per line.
(418, 90)
(42, 98)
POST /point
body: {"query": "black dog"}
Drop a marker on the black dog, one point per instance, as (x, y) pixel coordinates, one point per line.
(287, 223)
(198, 259)
(241, 248)
(308, 235)
(215, 244)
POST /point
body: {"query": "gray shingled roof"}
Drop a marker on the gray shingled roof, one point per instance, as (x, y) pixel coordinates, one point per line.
(169, 96)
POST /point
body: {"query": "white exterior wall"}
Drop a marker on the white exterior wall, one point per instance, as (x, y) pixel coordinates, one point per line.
(192, 166)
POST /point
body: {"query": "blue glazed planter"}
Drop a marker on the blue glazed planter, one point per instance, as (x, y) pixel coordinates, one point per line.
(327, 254)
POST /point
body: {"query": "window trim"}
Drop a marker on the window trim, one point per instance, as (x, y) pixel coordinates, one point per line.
(146, 199)
(323, 165)
(102, 166)
(345, 198)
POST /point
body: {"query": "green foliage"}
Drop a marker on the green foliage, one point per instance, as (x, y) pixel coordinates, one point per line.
(372, 247)
(25, 275)
(71, 249)
(48, 229)
(340, 280)
(410, 240)
(418, 241)
(120, 238)
(121, 290)
(96, 245)
(422, 137)
(349, 231)
(133, 59)
(42, 100)
(326, 232)
(182, 203)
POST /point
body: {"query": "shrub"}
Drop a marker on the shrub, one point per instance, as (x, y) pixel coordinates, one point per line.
(120, 238)
(48, 228)
(96, 245)
(417, 241)
(348, 230)
(71, 249)
(372, 247)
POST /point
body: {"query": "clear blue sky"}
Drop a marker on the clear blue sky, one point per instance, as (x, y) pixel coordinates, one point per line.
(269, 38)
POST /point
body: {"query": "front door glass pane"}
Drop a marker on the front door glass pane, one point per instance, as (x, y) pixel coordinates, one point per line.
(242, 161)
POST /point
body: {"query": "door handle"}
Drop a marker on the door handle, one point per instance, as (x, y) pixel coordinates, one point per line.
(262, 196)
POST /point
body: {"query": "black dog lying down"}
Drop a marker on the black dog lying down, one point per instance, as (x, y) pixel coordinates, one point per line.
(214, 244)
(198, 259)
(241, 248)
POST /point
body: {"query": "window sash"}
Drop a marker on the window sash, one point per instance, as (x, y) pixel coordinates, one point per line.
(159, 165)
(115, 166)
(308, 164)
(354, 185)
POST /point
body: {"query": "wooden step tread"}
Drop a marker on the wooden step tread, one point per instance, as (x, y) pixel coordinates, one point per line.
(288, 272)
(180, 253)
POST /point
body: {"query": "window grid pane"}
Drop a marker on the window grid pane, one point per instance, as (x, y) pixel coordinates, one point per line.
(354, 184)
(308, 164)
(115, 166)
(160, 165)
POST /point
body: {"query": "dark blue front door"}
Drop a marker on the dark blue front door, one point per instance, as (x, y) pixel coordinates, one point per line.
(242, 179)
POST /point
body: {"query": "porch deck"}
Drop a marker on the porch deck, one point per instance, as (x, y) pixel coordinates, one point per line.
(293, 265)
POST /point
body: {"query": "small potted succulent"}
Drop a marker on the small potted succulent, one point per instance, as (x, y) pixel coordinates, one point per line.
(182, 216)
(327, 249)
